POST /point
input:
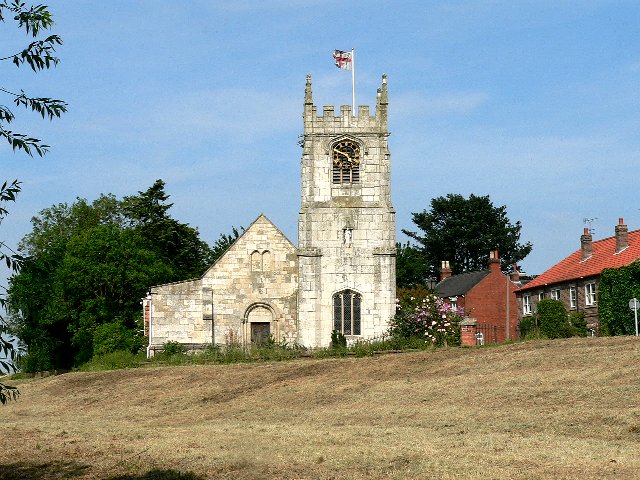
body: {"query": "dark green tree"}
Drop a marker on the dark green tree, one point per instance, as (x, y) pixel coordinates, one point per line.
(178, 243)
(224, 242)
(464, 231)
(38, 55)
(88, 266)
(411, 266)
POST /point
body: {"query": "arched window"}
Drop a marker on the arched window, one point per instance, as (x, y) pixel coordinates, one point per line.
(266, 261)
(346, 162)
(256, 261)
(346, 312)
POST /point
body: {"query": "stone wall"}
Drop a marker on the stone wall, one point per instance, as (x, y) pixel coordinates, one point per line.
(256, 280)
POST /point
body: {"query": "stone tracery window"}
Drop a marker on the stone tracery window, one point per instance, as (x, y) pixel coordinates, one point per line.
(346, 312)
(346, 157)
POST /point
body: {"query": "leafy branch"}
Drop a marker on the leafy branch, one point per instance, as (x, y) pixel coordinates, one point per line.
(33, 19)
(8, 193)
(38, 55)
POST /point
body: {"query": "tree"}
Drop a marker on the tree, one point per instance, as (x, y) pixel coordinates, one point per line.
(411, 266)
(464, 231)
(87, 267)
(12, 260)
(224, 242)
(178, 243)
(38, 55)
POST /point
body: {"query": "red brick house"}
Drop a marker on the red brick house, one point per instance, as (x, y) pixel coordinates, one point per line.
(487, 298)
(574, 280)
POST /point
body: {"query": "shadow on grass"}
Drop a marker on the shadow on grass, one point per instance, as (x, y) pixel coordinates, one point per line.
(42, 471)
(71, 470)
(160, 475)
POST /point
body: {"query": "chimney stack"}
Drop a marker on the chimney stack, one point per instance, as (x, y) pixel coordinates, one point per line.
(445, 270)
(585, 244)
(494, 260)
(622, 236)
(515, 274)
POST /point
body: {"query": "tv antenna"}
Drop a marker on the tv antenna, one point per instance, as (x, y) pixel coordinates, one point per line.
(589, 221)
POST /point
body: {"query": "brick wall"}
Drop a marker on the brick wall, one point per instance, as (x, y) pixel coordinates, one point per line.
(492, 300)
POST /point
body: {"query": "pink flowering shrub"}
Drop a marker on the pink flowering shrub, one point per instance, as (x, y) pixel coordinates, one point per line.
(421, 314)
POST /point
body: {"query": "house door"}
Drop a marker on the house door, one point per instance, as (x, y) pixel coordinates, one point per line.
(260, 332)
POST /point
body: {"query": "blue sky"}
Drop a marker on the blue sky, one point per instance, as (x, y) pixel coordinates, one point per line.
(534, 103)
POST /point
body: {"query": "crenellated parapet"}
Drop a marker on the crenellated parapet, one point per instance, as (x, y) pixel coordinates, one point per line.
(328, 121)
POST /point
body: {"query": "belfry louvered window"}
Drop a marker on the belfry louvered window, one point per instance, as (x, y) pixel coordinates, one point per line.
(346, 162)
(346, 175)
(346, 312)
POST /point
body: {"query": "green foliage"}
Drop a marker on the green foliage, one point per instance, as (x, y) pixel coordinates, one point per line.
(115, 336)
(39, 55)
(88, 265)
(616, 287)
(176, 243)
(411, 266)
(552, 319)
(114, 360)
(578, 324)
(224, 242)
(422, 315)
(173, 348)
(464, 231)
(527, 326)
(553, 322)
(338, 340)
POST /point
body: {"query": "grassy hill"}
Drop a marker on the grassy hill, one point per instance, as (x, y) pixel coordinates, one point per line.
(549, 409)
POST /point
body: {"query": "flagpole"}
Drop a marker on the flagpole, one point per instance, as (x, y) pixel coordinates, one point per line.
(353, 82)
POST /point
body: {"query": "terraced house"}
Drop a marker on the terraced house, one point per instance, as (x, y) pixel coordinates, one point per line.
(574, 280)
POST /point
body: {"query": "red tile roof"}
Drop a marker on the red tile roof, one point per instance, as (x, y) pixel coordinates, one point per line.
(604, 256)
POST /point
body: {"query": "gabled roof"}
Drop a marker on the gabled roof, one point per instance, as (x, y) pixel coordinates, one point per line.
(604, 256)
(460, 284)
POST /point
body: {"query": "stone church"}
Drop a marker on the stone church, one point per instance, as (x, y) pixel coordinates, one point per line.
(340, 277)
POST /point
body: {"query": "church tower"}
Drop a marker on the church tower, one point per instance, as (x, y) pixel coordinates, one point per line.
(346, 226)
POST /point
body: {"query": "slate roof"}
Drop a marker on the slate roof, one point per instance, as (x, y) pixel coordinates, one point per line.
(460, 284)
(604, 256)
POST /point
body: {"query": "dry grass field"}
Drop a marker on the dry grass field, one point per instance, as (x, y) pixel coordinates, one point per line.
(550, 409)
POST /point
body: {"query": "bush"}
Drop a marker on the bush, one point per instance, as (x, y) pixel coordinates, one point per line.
(422, 315)
(578, 324)
(527, 327)
(338, 340)
(171, 348)
(113, 361)
(112, 337)
(552, 319)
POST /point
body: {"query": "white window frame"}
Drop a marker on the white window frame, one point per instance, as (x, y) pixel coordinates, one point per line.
(590, 298)
(573, 296)
(555, 294)
(453, 302)
(541, 296)
(526, 304)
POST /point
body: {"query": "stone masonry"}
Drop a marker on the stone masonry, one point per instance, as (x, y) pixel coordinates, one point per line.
(263, 286)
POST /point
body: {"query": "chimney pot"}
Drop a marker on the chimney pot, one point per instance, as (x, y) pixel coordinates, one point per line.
(445, 270)
(494, 260)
